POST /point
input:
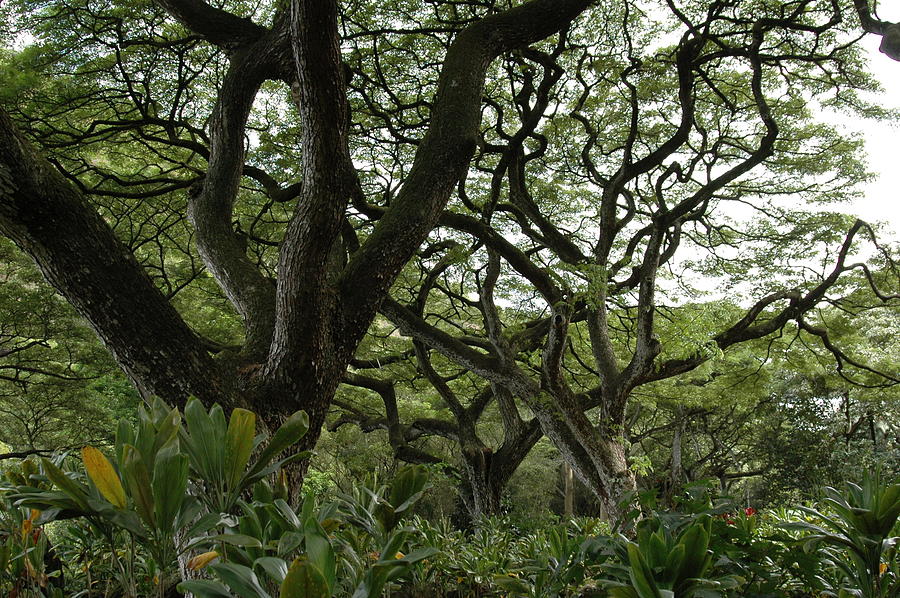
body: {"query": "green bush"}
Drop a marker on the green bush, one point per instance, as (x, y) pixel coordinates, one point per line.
(195, 502)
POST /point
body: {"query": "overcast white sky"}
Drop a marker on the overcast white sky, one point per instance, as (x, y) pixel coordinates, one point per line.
(882, 197)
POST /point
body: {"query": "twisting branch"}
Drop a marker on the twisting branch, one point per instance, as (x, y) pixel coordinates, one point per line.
(889, 32)
(217, 26)
(842, 359)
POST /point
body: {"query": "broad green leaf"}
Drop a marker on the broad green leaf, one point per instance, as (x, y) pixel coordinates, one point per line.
(320, 552)
(205, 589)
(693, 564)
(292, 430)
(124, 435)
(170, 477)
(238, 445)
(304, 580)
(640, 574)
(166, 432)
(70, 487)
(137, 479)
(200, 442)
(408, 486)
(276, 568)
(240, 579)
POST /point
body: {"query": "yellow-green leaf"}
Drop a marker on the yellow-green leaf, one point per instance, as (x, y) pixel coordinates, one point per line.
(104, 476)
(304, 580)
(202, 560)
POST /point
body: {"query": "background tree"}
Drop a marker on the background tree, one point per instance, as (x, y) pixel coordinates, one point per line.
(615, 216)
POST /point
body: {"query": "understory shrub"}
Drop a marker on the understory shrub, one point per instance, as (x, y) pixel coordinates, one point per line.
(198, 503)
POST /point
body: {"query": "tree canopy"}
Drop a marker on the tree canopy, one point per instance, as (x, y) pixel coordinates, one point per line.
(229, 194)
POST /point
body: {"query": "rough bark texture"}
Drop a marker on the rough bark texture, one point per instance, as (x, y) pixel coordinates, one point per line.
(78, 254)
(302, 331)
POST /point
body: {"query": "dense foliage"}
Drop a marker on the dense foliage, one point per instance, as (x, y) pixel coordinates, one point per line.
(540, 211)
(184, 504)
(558, 257)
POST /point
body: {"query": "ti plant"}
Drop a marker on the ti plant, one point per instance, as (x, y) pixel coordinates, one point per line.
(220, 453)
(558, 564)
(329, 548)
(376, 514)
(169, 485)
(668, 563)
(855, 536)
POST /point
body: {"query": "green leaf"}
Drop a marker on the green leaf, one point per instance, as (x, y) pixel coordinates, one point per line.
(292, 430)
(227, 538)
(512, 584)
(70, 487)
(204, 524)
(124, 435)
(137, 480)
(238, 445)
(199, 441)
(693, 565)
(241, 579)
(304, 580)
(276, 568)
(166, 432)
(205, 589)
(640, 574)
(320, 552)
(418, 555)
(408, 486)
(170, 477)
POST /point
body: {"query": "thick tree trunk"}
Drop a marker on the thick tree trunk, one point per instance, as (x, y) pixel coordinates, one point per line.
(486, 489)
(79, 255)
(301, 337)
(596, 454)
(488, 472)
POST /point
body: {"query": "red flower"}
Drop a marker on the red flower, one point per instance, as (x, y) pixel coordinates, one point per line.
(749, 511)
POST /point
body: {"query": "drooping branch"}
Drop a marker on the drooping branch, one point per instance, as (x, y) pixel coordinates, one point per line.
(843, 359)
(28, 453)
(751, 326)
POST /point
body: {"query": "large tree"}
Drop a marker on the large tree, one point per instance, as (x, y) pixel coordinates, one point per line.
(301, 329)
(305, 150)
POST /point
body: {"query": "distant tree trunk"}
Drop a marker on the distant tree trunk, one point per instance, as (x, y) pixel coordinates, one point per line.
(568, 491)
(485, 485)
(488, 472)
(676, 471)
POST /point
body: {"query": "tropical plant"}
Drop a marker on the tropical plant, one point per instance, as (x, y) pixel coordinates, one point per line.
(351, 547)
(854, 531)
(669, 562)
(26, 566)
(557, 561)
(146, 492)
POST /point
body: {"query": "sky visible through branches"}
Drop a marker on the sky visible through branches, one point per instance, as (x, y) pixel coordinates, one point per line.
(881, 201)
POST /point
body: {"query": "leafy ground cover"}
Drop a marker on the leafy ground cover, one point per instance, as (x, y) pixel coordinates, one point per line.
(197, 503)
